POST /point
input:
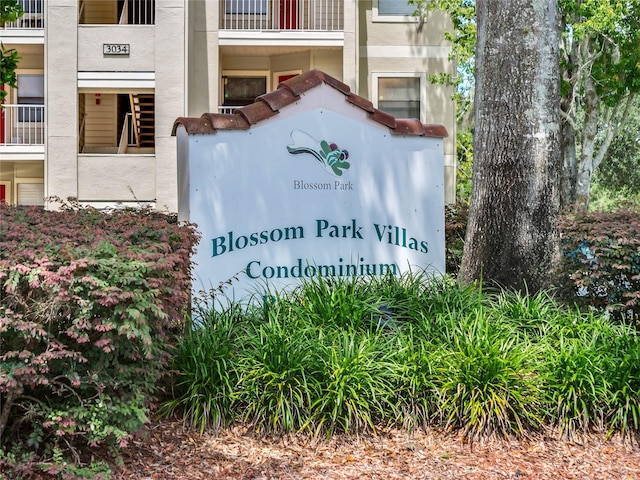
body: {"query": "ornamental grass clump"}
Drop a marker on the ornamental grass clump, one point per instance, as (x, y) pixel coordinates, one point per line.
(487, 380)
(353, 355)
(415, 392)
(204, 392)
(624, 385)
(279, 362)
(357, 384)
(593, 380)
(341, 302)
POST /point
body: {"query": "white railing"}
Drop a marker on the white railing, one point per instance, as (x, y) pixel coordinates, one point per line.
(33, 17)
(137, 12)
(227, 110)
(81, 12)
(270, 15)
(132, 131)
(22, 125)
(122, 144)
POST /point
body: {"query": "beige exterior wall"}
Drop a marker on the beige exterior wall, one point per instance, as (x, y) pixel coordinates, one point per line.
(157, 54)
(141, 39)
(171, 96)
(350, 50)
(180, 60)
(61, 65)
(14, 174)
(328, 61)
(113, 178)
(203, 57)
(406, 48)
(100, 122)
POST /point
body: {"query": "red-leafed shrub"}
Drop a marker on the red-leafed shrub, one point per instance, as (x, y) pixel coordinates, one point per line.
(601, 257)
(601, 261)
(91, 303)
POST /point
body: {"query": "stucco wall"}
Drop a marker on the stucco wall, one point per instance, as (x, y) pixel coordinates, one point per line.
(411, 48)
(141, 39)
(61, 46)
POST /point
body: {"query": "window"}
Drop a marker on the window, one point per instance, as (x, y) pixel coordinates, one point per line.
(242, 90)
(246, 7)
(31, 194)
(395, 7)
(31, 92)
(393, 11)
(399, 96)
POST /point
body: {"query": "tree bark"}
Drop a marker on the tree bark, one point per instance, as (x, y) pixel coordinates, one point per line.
(570, 77)
(512, 238)
(570, 165)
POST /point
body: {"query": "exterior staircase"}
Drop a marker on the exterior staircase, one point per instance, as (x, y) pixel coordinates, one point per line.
(143, 109)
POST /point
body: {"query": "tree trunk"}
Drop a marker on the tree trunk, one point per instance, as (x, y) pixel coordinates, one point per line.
(570, 78)
(587, 150)
(512, 238)
(570, 165)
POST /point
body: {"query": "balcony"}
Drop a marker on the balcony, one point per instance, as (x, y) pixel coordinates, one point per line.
(22, 125)
(117, 124)
(282, 15)
(32, 19)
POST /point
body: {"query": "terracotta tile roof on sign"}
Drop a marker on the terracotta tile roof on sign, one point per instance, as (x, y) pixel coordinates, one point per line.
(287, 93)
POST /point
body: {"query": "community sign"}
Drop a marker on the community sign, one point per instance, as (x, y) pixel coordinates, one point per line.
(310, 181)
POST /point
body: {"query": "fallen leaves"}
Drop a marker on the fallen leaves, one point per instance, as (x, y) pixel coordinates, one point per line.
(172, 451)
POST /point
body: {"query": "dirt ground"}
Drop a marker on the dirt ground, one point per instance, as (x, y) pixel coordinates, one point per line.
(170, 451)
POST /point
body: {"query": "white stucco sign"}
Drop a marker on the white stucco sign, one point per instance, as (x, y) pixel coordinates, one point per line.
(314, 192)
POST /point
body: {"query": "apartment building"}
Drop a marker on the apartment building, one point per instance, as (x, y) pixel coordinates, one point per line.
(101, 82)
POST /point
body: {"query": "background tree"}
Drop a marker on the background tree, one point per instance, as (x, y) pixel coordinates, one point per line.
(620, 168)
(10, 11)
(511, 235)
(599, 71)
(600, 78)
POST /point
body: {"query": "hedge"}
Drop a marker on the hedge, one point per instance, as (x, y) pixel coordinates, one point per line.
(92, 303)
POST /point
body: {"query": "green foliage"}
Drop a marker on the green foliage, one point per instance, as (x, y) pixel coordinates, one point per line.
(463, 41)
(357, 383)
(91, 304)
(204, 391)
(437, 355)
(10, 10)
(488, 383)
(464, 157)
(278, 369)
(606, 200)
(601, 261)
(612, 29)
(8, 63)
(593, 377)
(620, 169)
(455, 228)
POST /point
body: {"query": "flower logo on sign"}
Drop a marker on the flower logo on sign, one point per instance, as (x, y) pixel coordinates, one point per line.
(331, 157)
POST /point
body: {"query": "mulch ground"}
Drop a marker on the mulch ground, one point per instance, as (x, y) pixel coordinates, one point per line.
(170, 451)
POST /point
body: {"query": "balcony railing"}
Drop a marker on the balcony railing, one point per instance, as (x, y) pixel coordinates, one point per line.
(33, 17)
(137, 12)
(22, 125)
(278, 15)
(226, 109)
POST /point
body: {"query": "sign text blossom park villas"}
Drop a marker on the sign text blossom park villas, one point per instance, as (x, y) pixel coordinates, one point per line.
(310, 181)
